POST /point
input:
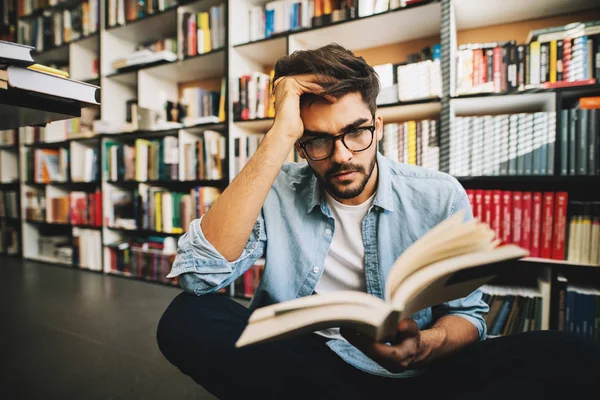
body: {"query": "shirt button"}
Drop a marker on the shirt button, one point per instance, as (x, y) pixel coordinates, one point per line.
(328, 232)
(316, 269)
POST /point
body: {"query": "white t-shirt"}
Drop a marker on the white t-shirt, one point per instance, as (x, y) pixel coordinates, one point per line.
(345, 261)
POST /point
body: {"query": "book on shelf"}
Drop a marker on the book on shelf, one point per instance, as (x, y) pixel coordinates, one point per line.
(8, 137)
(9, 239)
(35, 205)
(9, 204)
(157, 209)
(56, 247)
(161, 50)
(246, 285)
(459, 258)
(53, 28)
(253, 96)
(412, 142)
(87, 248)
(503, 145)
(202, 32)
(200, 104)
(119, 12)
(244, 148)
(552, 57)
(8, 20)
(47, 165)
(583, 246)
(579, 135)
(85, 208)
(578, 310)
(143, 258)
(512, 311)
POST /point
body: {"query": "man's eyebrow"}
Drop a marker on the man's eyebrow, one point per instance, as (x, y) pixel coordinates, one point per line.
(350, 127)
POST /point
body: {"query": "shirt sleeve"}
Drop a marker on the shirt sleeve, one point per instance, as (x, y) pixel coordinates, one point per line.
(472, 308)
(200, 267)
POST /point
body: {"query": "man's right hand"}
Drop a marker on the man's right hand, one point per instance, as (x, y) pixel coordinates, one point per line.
(288, 90)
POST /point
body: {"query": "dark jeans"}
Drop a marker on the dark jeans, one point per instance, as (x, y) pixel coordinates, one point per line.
(197, 334)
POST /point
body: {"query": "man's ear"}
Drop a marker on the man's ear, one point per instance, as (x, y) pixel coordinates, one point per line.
(299, 150)
(379, 127)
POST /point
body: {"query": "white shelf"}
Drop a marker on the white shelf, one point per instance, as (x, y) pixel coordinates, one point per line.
(475, 14)
(194, 68)
(50, 260)
(504, 104)
(394, 26)
(406, 112)
(264, 52)
(125, 78)
(148, 29)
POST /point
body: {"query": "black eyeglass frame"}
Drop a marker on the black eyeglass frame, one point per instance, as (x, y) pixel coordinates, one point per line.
(341, 137)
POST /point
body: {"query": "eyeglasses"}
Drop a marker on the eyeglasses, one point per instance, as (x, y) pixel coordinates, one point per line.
(356, 141)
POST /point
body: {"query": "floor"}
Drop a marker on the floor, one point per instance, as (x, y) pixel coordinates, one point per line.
(68, 334)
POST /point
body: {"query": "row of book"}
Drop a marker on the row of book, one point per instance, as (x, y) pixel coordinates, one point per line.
(201, 103)
(119, 12)
(9, 239)
(281, 16)
(253, 97)
(499, 145)
(76, 208)
(412, 142)
(48, 165)
(87, 248)
(579, 138)
(55, 28)
(202, 32)
(8, 137)
(246, 285)
(35, 205)
(244, 148)
(552, 57)
(579, 311)
(61, 130)
(8, 21)
(510, 314)
(156, 209)
(143, 258)
(204, 157)
(545, 223)
(9, 204)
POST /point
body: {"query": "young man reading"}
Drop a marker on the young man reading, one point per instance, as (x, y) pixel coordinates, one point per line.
(335, 223)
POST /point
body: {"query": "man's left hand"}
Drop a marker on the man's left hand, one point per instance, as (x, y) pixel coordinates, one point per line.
(396, 357)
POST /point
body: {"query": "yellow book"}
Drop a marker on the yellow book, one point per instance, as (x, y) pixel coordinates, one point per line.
(553, 61)
(206, 29)
(412, 142)
(158, 213)
(48, 70)
(271, 108)
(222, 101)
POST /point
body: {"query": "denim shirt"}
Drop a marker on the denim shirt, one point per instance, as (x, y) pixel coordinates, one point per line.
(294, 231)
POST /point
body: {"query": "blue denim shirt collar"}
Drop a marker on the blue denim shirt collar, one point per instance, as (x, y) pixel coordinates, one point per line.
(383, 197)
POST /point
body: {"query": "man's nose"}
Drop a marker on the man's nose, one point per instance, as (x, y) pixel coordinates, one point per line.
(341, 154)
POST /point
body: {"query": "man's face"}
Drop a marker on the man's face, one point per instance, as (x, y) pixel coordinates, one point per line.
(345, 173)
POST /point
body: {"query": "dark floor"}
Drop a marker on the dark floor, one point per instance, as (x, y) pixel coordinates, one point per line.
(68, 334)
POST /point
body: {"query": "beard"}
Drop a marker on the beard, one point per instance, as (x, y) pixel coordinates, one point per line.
(347, 189)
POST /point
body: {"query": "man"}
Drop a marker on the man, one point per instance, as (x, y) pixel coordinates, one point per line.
(338, 223)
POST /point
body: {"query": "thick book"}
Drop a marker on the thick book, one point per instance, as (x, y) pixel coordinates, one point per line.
(560, 226)
(547, 225)
(15, 54)
(449, 262)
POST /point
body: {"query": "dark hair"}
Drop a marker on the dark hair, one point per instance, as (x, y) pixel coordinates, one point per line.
(352, 73)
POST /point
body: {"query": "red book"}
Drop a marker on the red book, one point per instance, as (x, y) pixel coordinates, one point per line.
(547, 224)
(471, 197)
(478, 210)
(192, 47)
(91, 211)
(497, 69)
(536, 225)
(487, 206)
(517, 204)
(98, 204)
(496, 224)
(560, 226)
(566, 58)
(506, 217)
(527, 210)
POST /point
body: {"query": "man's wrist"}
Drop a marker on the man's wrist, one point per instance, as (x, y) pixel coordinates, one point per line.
(431, 341)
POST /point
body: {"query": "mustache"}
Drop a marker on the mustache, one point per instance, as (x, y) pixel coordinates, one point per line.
(343, 168)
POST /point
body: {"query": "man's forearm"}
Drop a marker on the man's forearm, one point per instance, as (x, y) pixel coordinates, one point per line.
(229, 222)
(449, 334)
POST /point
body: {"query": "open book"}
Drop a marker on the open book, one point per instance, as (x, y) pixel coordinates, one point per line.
(449, 262)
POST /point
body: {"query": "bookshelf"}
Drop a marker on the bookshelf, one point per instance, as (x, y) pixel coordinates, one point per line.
(407, 30)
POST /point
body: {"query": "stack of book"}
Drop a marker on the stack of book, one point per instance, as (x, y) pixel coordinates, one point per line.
(142, 258)
(579, 311)
(9, 204)
(551, 57)
(253, 97)
(120, 12)
(511, 313)
(580, 138)
(246, 285)
(499, 145)
(202, 32)
(412, 142)
(54, 28)
(157, 209)
(162, 50)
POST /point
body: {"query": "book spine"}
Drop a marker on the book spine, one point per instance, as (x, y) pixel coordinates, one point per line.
(478, 211)
(527, 210)
(497, 69)
(487, 207)
(517, 206)
(559, 60)
(521, 67)
(506, 217)
(536, 224)
(582, 139)
(497, 213)
(550, 148)
(544, 62)
(573, 141)
(560, 226)
(593, 131)
(564, 142)
(547, 225)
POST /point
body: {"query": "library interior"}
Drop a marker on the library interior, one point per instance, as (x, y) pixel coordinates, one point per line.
(122, 122)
